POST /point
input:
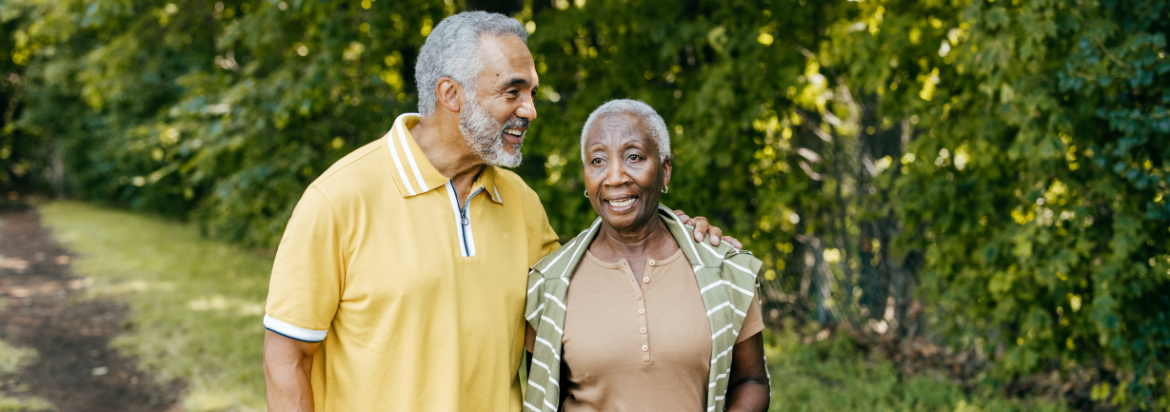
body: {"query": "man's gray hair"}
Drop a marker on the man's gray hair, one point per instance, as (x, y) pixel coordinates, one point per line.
(453, 50)
(655, 126)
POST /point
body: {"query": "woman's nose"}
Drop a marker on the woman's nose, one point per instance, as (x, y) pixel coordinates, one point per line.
(616, 175)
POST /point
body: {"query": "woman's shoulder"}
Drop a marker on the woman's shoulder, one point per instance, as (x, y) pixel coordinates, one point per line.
(707, 254)
(555, 264)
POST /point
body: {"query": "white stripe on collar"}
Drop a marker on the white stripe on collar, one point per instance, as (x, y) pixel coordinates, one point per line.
(399, 124)
(398, 164)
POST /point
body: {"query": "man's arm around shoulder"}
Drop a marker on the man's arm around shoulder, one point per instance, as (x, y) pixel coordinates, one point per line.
(288, 366)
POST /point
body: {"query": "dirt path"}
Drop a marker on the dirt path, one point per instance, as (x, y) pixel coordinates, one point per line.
(42, 307)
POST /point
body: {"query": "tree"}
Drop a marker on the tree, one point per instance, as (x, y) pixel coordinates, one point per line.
(991, 174)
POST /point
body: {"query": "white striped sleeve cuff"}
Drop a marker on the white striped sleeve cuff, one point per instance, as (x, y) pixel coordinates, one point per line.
(289, 331)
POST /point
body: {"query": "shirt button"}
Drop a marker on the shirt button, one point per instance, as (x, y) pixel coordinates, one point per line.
(645, 348)
(646, 279)
(643, 330)
(651, 262)
(641, 311)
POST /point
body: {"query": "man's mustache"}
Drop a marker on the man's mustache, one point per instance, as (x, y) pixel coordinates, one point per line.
(517, 122)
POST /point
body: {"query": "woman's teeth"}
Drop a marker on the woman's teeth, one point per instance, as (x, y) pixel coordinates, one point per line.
(622, 203)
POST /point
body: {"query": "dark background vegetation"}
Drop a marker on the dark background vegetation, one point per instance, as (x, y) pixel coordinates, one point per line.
(990, 176)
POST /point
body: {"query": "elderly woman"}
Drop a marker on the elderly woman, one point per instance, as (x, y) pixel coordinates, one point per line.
(634, 314)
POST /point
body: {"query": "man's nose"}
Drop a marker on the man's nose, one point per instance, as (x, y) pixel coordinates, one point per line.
(527, 109)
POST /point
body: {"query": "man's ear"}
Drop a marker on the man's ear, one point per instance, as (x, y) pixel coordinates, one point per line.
(449, 93)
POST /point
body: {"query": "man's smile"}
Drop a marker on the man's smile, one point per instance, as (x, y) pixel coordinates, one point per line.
(515, 134)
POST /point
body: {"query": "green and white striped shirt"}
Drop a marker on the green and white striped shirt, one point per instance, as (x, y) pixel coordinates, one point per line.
(727, 281)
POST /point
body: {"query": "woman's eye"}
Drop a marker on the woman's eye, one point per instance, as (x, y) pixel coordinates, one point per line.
(595, 161)
(634, 157)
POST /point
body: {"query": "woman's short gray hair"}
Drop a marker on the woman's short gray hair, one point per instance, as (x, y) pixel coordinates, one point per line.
(656, 127)
(453, 50)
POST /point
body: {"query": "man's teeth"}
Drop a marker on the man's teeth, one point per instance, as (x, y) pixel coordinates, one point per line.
(514, 132)
(622, 203)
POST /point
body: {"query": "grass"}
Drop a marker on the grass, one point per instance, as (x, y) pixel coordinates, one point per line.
(12, 397)
(195, 305)
(196, 308)
(830, 376)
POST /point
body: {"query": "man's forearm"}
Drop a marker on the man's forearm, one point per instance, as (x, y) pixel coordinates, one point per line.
(288, 367)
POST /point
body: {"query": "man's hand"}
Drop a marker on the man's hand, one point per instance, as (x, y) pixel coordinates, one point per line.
(702, 227)
(288, 364)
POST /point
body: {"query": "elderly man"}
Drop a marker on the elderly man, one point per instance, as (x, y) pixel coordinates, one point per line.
(382, 296)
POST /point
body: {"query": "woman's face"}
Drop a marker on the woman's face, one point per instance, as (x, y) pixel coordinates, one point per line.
(623, 175)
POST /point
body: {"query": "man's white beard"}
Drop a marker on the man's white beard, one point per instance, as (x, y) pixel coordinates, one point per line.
(484, 135)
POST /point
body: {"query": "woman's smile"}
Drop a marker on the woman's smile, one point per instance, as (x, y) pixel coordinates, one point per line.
(620, 204)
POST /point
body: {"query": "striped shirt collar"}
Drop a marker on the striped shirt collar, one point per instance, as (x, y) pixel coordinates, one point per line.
(698, 254)
(411, 170)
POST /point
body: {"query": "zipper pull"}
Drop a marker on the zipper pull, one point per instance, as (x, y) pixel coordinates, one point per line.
(463, 214)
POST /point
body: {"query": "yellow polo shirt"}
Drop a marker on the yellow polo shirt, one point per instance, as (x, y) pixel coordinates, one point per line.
(418, 302)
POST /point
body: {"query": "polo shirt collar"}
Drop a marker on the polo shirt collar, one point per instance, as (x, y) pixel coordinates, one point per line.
(487, 181)
(414, 174)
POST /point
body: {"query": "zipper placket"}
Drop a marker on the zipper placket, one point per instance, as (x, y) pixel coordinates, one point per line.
(464, 220)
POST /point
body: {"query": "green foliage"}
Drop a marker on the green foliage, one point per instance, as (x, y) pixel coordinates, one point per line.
(195, 305)
(223, 110)
(832, 375)
(1039, 189)
(1006, 160)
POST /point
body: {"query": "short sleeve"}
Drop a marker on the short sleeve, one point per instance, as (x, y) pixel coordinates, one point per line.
(753, 322)
(307, 274)
(542, 238)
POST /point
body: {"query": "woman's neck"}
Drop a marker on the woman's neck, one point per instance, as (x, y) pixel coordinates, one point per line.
(652, 238)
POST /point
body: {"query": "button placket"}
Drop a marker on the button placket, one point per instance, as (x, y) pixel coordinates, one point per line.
(643, 328)
(645, 338)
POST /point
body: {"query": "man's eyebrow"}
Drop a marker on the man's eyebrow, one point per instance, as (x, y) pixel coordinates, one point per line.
(516, 81)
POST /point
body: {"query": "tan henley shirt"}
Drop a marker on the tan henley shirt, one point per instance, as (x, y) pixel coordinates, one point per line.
(638, 344)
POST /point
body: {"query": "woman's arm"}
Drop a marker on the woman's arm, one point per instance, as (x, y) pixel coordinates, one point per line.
(564, 385)
(747, 388)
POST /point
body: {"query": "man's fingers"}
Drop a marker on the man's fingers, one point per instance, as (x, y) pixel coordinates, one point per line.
(733, 241)
(704, 228)
(716, 234)
(701, 227)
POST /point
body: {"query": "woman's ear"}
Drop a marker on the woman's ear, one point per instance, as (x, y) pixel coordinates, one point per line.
(449, 93)
(666, 172)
